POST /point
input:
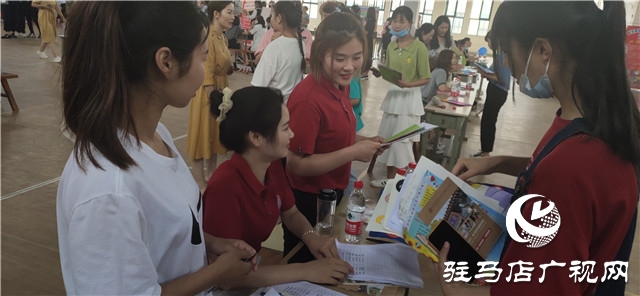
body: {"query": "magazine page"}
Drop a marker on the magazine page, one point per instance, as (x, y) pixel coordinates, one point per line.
(418, 190)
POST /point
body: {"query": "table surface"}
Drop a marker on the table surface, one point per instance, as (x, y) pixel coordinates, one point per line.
(429, 277)
(451, 109)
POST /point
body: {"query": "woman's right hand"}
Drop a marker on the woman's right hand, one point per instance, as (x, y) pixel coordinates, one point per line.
(234, 266)
(330, 271)
(365, 150)
(466, 168)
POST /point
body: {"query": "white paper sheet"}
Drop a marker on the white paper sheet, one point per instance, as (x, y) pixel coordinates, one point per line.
(296, 289)
(385, 263)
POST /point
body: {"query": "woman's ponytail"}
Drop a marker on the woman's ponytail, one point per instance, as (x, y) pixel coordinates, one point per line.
(303, 64)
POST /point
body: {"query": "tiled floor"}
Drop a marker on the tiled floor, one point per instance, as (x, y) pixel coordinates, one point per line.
(34, 151)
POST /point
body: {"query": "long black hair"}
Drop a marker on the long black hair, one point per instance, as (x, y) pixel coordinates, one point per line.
(447, 37)
(291, 12)
(115, 43)
(593, 41)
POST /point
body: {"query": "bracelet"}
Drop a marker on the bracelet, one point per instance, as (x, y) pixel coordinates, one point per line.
(307, 233)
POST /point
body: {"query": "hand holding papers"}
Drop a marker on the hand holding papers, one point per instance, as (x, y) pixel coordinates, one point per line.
(409, 132)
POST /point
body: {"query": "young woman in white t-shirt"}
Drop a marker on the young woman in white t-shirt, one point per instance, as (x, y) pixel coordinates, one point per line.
(282, 63)
(129, 212)
(257, 30)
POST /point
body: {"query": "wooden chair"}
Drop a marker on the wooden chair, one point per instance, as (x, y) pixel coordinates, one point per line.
(7, 90)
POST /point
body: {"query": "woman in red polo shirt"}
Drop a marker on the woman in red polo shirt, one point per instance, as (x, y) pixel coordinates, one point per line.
(586, 163)
(326, 143)
(248, 193)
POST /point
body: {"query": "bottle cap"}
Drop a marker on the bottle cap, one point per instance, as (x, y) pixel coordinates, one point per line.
(327, 194)
(412, 165)
(358, 184)
(402, 171)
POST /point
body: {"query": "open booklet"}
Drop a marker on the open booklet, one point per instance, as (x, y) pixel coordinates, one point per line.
(411, 131)
(433, 206)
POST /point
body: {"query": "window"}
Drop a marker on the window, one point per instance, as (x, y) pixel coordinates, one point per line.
(395, 4)
(313, 7)
(350, 3)
(380, 5)
(480, 15)
(455, 11)
(426, 12)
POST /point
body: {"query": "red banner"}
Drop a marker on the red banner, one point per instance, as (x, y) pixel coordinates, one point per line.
(632, 52)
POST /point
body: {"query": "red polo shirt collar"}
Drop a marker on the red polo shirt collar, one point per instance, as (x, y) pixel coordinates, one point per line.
(337, 93)
(244, 170)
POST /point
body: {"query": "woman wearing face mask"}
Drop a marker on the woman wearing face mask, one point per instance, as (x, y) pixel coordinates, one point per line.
(326, 143)
(443, 38)
(587, 161)
(402, 106)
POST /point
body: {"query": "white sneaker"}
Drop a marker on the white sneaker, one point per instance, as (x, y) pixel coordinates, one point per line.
(380, 183)
(57, 59)
(42, 54)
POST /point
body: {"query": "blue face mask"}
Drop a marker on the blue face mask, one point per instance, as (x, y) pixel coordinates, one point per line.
(543, 89)
(400, 34)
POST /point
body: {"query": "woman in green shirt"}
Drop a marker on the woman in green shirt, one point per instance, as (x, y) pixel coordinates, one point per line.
(402, 105)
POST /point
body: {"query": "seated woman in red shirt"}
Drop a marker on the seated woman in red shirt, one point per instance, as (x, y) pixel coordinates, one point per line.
(586, 163)
(248, 193)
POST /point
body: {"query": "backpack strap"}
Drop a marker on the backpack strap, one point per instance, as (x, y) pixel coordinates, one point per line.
(575, 127)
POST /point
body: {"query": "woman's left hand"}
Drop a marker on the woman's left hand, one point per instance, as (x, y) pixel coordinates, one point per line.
(322, 246)
(401, 83)
(454, 287)
(380, 140)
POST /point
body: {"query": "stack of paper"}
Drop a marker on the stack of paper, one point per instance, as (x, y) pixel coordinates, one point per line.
(296, 289)
(385, 263)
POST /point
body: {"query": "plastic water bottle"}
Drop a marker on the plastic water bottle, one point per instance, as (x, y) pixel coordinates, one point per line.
(355, 215)
(411, 167)
(455, 87)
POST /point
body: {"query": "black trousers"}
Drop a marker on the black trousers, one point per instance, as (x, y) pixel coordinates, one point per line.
(495, 99)
(11, 15)
(306, 203)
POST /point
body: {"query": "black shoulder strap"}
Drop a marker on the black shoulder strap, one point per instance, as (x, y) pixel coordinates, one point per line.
(576, 126)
